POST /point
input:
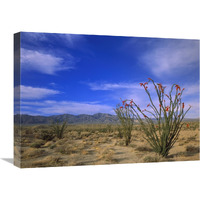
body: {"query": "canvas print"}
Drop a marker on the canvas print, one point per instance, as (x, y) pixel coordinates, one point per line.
(95, 100)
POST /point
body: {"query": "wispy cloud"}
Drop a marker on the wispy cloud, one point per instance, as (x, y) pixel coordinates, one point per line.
(28, 92)
(112, 86)
(68, 40)
(192, 89)
(117, 91)
(44, 62)
(61, 107)
(171, 58)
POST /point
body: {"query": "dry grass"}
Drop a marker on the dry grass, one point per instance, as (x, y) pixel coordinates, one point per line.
(94, 144)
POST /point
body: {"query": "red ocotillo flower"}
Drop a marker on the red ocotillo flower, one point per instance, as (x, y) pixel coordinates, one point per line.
(145, 88)
(146, 83)
(167, 108)
(159, 105)
(188, 125)
(159, 86)
(148, 105)
(121, 107)
(183, 105)
(141, 84)
(126, 105)
(149, 79)
(178, 87)
(179, 93)
(123, 102)
(145, 116)
(167, 95)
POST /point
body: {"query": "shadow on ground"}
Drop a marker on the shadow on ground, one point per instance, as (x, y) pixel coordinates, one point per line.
(9, 160)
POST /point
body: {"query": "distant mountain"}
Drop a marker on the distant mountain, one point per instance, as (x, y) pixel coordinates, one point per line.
(99, 118)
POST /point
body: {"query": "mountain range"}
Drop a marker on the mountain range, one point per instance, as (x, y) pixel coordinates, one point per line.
(99, 118)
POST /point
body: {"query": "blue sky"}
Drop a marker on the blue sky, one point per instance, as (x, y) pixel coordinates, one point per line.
(88, 74)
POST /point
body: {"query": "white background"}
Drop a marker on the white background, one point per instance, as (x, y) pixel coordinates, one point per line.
(156, 18)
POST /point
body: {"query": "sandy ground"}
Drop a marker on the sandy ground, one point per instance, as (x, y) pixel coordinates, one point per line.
(94, 148)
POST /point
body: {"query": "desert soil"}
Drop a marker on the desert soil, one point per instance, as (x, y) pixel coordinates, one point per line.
(95, 148)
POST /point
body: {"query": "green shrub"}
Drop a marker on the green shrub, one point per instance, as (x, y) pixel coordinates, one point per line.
(143, 148)
(47, 135)
(192, 149)
(162, 123)
(29, 131)
(126, 119)
(120, 132)
(37, 144)
(59, 129)
(151, 159)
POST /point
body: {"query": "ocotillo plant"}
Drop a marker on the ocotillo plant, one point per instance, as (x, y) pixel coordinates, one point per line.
(59, 129)
(126, 119)
(161, 124)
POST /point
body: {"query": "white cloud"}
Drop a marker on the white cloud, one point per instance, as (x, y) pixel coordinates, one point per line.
(134, 91)
(113, 86)
(44, 63)
(194, 110)
(71, 40)
(70, 107)
(191, 89)
(172, 58)
(28, 92)
(68, 40)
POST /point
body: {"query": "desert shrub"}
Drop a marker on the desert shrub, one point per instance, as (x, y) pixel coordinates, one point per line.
(47, 135)
(107, 155)
(192, 138)
(87, 129)
(29, 131)
(48, 161)
(151, 159)
(33, 153)
(42, 126)
(37, 144)
(52, 146)
(192, 149)
(92, 131)
(108, 128)
(59, 129)
(126, 119)
(144, 148)
(103, 130)
(79, 132)
(120, 132)
(161, 124)
(65, 149)
(16, 130)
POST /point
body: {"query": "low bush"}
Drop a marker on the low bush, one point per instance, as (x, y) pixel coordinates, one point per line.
(126, 119)
(192, 149)
(47, 135)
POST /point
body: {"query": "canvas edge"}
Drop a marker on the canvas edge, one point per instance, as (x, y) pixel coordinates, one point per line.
(17, 81)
